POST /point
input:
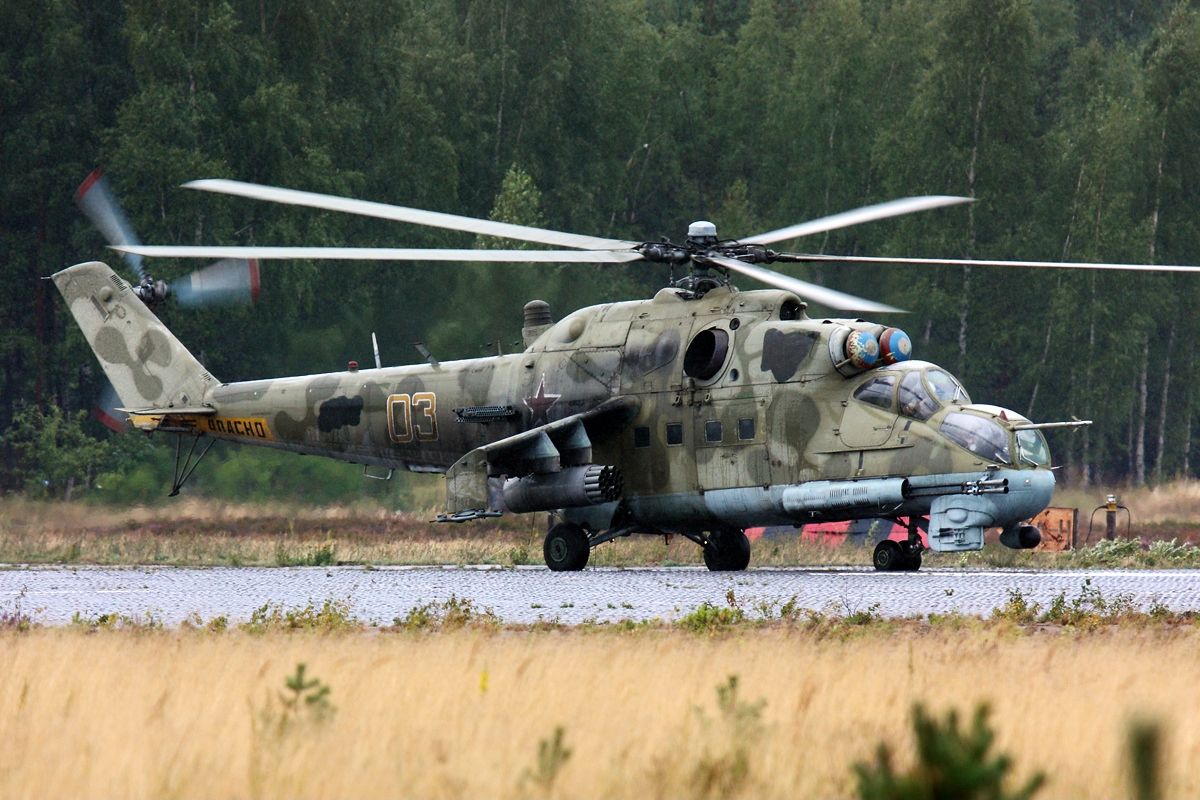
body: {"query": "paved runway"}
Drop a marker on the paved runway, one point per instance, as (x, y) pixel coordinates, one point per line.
(526, 594)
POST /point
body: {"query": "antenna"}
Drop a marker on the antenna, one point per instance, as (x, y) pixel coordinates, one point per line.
(425, 354)
(375, 345)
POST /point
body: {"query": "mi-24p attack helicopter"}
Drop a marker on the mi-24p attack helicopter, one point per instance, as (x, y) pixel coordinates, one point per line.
(701, 411)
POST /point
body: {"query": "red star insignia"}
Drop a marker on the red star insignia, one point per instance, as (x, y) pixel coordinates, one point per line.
(540, 403)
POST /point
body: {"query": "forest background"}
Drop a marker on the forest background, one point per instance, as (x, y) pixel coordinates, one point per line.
(1074, 124)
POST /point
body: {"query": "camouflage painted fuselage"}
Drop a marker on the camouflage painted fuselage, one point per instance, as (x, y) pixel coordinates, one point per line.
(698, 444)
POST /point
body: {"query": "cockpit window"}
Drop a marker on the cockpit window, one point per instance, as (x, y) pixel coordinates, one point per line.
(877, 391)
(914, 398)
(1033, 449)
(980, 435)
(945, 388)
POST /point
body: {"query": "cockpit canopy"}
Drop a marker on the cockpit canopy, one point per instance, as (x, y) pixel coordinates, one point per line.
(919, 390)
(914, 389)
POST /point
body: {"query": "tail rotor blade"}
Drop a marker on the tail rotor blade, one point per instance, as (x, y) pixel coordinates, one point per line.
(228, 282)
(99, 204)
(107, 409)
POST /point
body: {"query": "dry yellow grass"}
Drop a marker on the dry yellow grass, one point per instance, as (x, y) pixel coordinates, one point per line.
(1175, 502)
(199, 533)
(461, 714)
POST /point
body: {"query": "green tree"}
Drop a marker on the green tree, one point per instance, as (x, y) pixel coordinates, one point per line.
(506, 287)
(951, 762)
(970, 131)
(53, 111)
(55, 458)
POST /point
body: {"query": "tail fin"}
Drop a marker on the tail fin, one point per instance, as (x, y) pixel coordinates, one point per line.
(147, 365)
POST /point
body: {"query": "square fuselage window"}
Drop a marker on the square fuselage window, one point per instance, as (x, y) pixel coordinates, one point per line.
(712, 431)
(641, 437)
(674, 433)
(746, 429)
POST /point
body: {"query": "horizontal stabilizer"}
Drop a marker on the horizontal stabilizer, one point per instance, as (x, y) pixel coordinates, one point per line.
(170, 420)
(179, 410)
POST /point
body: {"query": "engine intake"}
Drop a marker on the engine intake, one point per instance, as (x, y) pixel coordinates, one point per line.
(569, 488)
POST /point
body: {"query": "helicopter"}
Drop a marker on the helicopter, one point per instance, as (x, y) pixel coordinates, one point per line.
(699, 412)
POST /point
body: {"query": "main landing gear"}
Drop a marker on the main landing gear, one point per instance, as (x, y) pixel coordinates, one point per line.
(567, 547)
(893, 556)
(727, 550)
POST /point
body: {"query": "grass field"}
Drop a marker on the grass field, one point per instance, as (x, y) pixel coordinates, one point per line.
(488, 711)
(200, 532)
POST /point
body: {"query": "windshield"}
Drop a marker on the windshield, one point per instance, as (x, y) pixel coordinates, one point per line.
(980, 435)
(1033, 448)
(923, 391)
(915, 400)
(945, 387)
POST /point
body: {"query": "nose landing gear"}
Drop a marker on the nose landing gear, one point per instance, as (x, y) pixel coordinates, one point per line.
(893, 556)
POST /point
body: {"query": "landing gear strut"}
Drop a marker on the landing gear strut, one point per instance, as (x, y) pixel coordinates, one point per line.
(893, 556)
(727, 550)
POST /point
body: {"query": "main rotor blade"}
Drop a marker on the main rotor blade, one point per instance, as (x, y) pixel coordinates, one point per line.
(975, 262)
(386, 254)
(98, 203)
(416, 216)
(892, 208)
(228, 282)
(810, 291)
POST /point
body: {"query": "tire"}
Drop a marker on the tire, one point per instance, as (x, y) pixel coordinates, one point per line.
(566, 548)
(888, 556)
(727, 551)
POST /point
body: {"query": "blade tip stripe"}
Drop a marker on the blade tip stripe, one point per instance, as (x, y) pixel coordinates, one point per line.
(93, 177)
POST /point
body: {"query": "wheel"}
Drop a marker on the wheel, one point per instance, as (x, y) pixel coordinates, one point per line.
(566, 548)
(888, 556)
(727, 551)
(910, 561)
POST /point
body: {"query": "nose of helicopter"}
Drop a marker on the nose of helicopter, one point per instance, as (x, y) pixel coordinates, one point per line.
(1029, 492)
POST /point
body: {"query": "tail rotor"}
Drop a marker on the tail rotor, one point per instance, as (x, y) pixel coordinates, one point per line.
(225, 283)
(229, 282)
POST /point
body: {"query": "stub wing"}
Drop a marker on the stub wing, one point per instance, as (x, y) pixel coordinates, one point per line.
(551, 448)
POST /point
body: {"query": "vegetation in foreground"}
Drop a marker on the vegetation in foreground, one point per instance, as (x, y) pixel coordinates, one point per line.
(196, 532)
(728, 701)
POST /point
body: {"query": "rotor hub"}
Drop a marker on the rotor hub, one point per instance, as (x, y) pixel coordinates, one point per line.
(702, 232)
(152, 292)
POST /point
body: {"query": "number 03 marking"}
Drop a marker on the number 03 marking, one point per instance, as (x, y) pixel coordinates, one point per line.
(412, 416)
